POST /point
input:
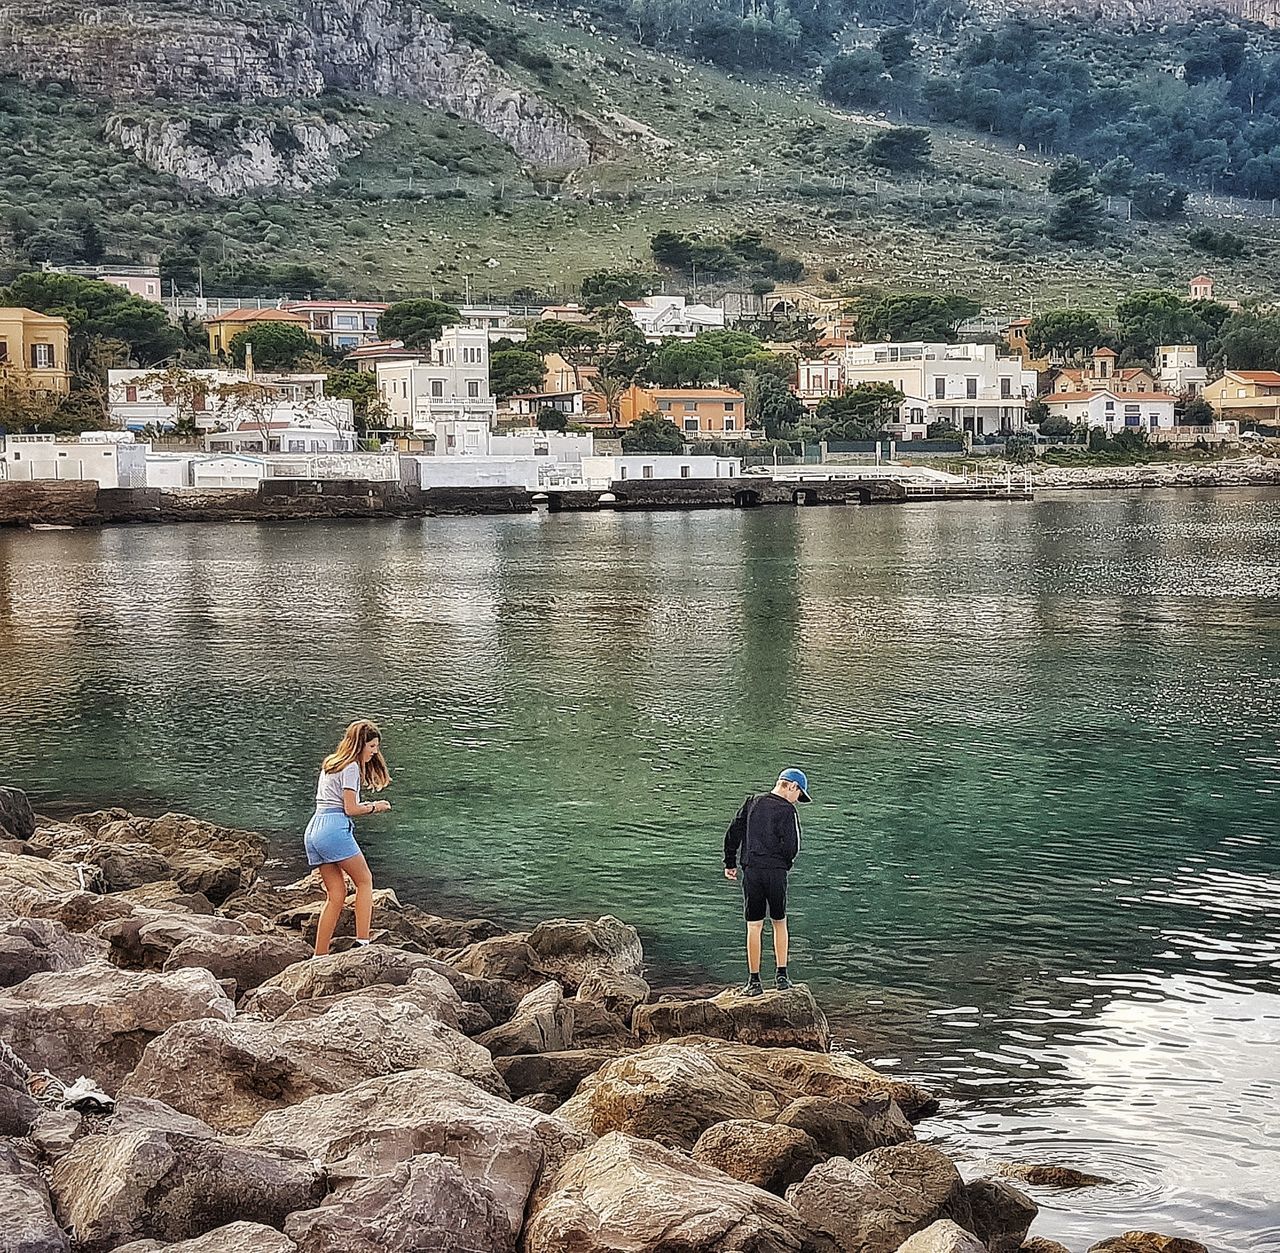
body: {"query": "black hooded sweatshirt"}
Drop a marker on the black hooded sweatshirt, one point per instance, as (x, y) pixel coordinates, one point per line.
(767, 829)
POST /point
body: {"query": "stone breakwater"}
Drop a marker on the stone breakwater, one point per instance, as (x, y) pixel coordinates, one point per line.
(453, 1087)
(1237, 472)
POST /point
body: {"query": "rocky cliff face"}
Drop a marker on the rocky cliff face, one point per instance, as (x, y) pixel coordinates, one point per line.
(215, 50)
(241, 155)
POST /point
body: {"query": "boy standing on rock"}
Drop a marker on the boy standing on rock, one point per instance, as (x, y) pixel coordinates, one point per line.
(767, 830)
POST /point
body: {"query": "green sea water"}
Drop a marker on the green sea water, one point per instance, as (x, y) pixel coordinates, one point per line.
(1041, 867)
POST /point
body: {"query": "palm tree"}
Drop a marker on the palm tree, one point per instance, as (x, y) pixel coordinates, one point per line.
(611, 390)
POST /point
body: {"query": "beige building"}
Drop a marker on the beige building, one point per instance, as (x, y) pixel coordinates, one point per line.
(1247, 395)
(35, 350)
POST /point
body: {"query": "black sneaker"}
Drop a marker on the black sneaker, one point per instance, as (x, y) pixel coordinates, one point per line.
(753, 988)
(783, 984)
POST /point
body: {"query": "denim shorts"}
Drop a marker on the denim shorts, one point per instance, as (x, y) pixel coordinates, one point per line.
(331, 836)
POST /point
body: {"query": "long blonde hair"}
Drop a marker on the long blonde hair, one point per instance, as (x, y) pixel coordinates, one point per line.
(374, 774)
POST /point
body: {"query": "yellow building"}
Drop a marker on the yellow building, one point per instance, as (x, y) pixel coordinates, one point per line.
(224, 328)
(699, 412)
(35, 350)
(1247, 396)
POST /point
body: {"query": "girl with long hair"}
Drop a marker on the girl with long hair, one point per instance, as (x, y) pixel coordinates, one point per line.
(357, 763)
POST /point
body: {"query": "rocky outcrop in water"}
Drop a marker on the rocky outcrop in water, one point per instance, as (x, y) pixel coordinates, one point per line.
(224, 51)
(414, 1094)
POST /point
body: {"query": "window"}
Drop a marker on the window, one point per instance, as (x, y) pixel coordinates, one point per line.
(623, 474)
(971, 389)
(664, 406)
(731, 424)
(691, 424)
(473, 390)
(1006, 388)
(939, 388)
(42, 356)
(647, 472)
(690, 406)
(4, 350)
(684, 472)
(130, 393)
(437, 389)
(1109, 405)
(728, 406)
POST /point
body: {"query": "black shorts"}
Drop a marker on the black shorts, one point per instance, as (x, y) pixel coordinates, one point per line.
(763, 889)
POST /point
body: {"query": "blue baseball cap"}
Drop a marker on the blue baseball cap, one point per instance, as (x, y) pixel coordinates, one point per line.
(792, 775)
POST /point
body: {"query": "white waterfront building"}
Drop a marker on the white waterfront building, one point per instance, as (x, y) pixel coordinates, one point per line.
(108, 458)
(600, 472)
(672, 317)
(970, 386)
(1114, 411)
(221, 399)
(444, 398)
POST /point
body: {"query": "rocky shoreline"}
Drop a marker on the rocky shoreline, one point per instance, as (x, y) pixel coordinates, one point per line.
(451, 1088)
(1237, 472)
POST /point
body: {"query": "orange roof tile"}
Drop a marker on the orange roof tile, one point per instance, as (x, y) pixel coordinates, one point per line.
(1270, 378)
(1105, 352)
(259, 315)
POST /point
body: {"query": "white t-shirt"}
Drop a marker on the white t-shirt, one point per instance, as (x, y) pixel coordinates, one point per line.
(331, 786)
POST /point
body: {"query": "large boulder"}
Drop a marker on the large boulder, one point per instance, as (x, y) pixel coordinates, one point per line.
(249, 960)
(231, 1073)
(505, 957)
(178, 836)
(122, 866)
(673, 1092)
(767, 1155)
(542, 1023)
(625, 1193)
(97, 1020)
(596, 1027)
(501, 1148)
(27, 1224)
(77, 910)
(24, 881)
(848, 1128)
(233, 1238)
(426, 1203)
(556, 1073)
(144, 939)
(1042, 1244)
(572, 950)
(168, 896)
(30, 946)
(350, 971)
(615, 991)
(873, 1204)
(999, 1214)
(944, 1236)
(17, 820)
(169, 1186)
(1147, 1242)
(789, 1019)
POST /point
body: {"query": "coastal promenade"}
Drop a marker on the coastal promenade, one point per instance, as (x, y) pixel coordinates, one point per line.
(454, 1086)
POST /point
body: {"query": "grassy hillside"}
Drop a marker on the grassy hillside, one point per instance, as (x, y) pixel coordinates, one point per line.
(433, 203)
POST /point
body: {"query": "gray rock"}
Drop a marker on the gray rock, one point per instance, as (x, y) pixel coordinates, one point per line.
(367, 1130)
(16, 816)
(1046, 1176)
(1041, 1244)
(177, 836)
(168, 896)
(628, 1193)
(1147, 1242)
(595, 1027)
(97, 1020)
(426, 1203)
(673, 1092)
(122, 865)
(1000, 1214)
(231, 1073)
(358, 968)
(542, 1023)
(76, 910)
(944, 1236)
(775, 1020)
(846, 1129)
(56, 1131)
(28, 1225)
(505, 957)
(212, 875)
(144, 939)
(572, 950)
(31, 946)
(543, 1102)
(249, 960)
(438, 1002)
(873, 1204)
(25, 881)
(233, 1238)
(768, 1155)
(169, 1186)
(557, 1073)
(18, 1112)
(614, 991)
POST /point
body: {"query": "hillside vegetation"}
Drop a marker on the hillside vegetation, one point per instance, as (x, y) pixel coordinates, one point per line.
(775, 132)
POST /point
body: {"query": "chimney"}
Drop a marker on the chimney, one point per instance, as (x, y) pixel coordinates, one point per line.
(248, 360)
